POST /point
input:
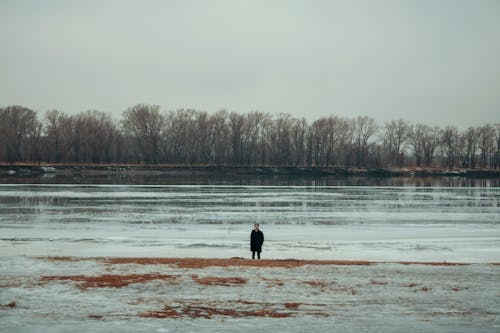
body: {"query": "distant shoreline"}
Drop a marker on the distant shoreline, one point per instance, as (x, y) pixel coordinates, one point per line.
(31, 169)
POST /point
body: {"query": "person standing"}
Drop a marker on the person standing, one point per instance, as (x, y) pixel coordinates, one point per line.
(256, 241)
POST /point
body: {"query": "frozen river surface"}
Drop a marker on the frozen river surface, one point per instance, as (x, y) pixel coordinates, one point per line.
(459, 224)
(62, 265)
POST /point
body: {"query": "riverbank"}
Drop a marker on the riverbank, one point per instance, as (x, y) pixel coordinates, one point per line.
(32, 169)
(51, 294)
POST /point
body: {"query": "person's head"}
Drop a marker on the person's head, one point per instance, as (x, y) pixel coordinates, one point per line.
(256, 226)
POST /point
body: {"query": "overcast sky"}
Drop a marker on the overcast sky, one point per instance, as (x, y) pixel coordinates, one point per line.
(435, 62)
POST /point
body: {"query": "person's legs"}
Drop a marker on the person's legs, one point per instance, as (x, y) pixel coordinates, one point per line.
(258, 255)
(253, 254)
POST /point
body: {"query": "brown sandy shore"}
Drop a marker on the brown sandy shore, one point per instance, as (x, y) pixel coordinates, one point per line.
(237, 261)
(130, 293)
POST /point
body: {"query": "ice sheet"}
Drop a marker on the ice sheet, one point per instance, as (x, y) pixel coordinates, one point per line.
(372, 223)
(321, 298)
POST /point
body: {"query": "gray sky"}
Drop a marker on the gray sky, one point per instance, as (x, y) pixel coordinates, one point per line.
(429, 61)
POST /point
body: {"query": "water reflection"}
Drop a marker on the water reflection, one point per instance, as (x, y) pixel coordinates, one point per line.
(235, 204)
(256, 180)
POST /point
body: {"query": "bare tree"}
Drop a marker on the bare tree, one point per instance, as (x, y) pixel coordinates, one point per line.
(424, 141)
(18, 126)
(416, 139)
(189, 136)
(486, 145)
(220, 138)
(202, 135)
(470, 138)
(363, 130)
(145, 124)
(257, 125)
(496, 164)
(331, 140)
(58, 132)
(236, 127)
(280, 139)
(449, 146)
(318, 139)
(430, 142)
(101, 136)
(395, 137)
(299, 141)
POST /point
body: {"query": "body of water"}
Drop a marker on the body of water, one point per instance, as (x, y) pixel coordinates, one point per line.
(385, 223)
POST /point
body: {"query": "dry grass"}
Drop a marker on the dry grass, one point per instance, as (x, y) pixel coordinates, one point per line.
(108, 280)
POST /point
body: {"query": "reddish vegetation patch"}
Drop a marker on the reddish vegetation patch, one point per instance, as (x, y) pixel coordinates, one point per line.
(96, 316)
(292, 305)
(109, 281)
(207, 311)
(411, 285)
(11, 305)
(318, 314)
(209, 262)
(234, 309)
(62, 258)
(247, 302)
(267, 313)
(220, 281)
(425, 288)
(237, 261)
(323, 284)
(167, 312)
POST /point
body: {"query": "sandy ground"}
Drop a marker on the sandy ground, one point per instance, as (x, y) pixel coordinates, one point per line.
(61, 294)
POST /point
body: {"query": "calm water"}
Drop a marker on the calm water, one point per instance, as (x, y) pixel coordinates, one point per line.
(336, 222)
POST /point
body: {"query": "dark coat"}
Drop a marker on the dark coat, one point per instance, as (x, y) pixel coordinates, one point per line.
(256, 240)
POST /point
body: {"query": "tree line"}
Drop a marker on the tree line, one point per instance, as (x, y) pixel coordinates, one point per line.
(146, 134)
